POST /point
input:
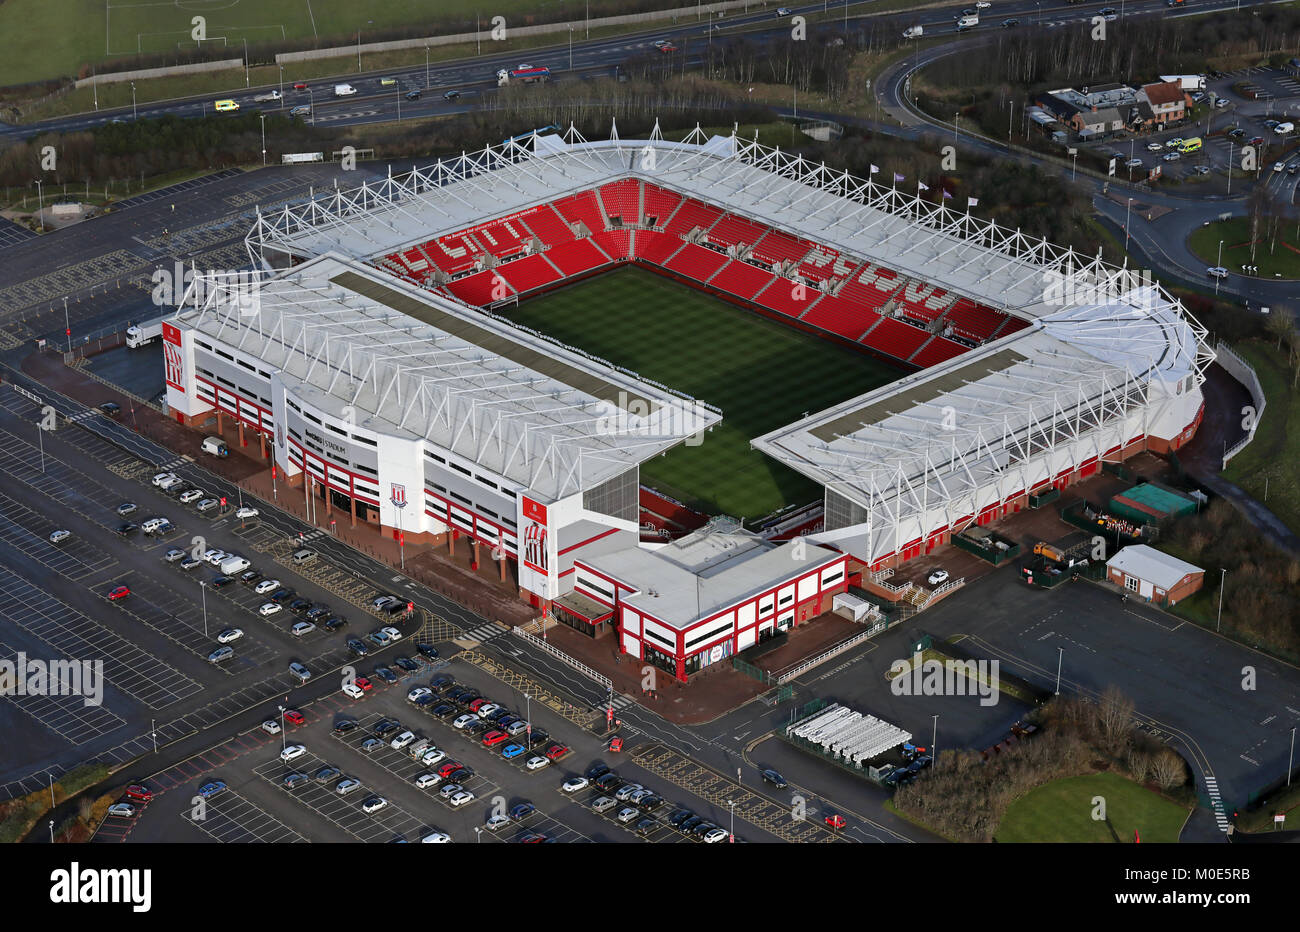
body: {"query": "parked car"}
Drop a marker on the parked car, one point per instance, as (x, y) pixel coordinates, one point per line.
(228, 635)
(139, 792)
(122, 810)
(347, 785)
(302, 628)
(118, 592)
(267, 609)
(373, 804)
(266, 585)
(937, 577)
(126, 508)
(574, 784)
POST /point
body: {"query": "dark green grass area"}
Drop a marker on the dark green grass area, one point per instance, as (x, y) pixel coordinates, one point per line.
(1063, 810)
(761, 373)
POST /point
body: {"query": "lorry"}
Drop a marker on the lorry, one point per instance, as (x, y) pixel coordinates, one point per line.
(216, 446)
(344, 90)
(138, 335)
(913, 32)
(524, 74)
(267, 97)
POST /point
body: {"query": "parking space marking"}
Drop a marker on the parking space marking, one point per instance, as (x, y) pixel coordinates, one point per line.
(126, 666)
(343, 811)
(715, 788)
(67, 716)
(231, 819)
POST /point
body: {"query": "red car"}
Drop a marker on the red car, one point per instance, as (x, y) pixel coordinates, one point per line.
(300, 86)
(477, 704)
(118, 592)
(836, 821)
(364, 684)
(294, 717)
(447, 769)
(493, 738)
(556, 751)
(141, 793)
(667, 48)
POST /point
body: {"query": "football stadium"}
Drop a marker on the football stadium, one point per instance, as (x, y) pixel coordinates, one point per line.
(685, 393)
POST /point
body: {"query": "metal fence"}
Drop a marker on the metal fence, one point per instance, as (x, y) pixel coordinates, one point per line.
(1243, 372)
(564, 658)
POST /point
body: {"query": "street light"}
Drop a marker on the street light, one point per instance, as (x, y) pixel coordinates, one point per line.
(1290, 761)
(1127, 212)
(67, 324)
(570, 48)
(262, 117)
(934, 742)
(153, 734)
(1218, 263)
(1223, 578)
(426, 67)
(40, 205)
(1060, 656)
(284, 737)
(731, 804)
(311, 103)
(203, 588)
(281, 67)
(133, 112)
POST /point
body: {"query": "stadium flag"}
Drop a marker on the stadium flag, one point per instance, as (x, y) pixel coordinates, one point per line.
(971, 202)
(1111, 171)
(922, 186)
(874, 169)
(898, 178)
(946, 195)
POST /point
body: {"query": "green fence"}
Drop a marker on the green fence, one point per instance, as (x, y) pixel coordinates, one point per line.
(750, 670)
(1117, 469)
(1083, 515)
(1047, 496)
(987, 550)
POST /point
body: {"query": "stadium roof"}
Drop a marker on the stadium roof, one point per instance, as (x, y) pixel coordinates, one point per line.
(366, 347)
(977, 258)
(705, 571)
(945, 432)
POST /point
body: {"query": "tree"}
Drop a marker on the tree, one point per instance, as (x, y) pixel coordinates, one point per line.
(1115, 718)
(1168, 769)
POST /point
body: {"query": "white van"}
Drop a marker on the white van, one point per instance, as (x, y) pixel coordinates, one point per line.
(1283, 128)
(967, 22)
(234, 564)
(344, 90)
(216, 446)
(913, 32)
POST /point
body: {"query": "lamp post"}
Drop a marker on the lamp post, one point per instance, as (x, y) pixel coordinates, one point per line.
(731, 804)
(51, 831)
(153, 734)
(40, 205)
(133, 111)
(262, 117)
(570, 48)
(67, 324)
(246, 80)
(281, 67)
(426, 67)
(203, 588)
(1223, 578)
(1290, 761)
(1060, 657)
(311, 104)
(934, 742)
(1127, 213)
(1218, 263)
(284, 738)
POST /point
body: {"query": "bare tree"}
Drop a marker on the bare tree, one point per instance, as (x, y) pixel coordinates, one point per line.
(1115, 718)
(1168, 769)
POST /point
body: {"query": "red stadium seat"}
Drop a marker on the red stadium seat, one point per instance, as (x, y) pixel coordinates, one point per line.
(528, 273)
(617, 244)
(895, 338)
(779, 247)
(841, 316)
(622, 199)
(696, 262)
(582, 207)
(548, 226)
(659, 204)
(656, 247)
(789, 297)
(741, 279)
(936, 351)
(481, 288)
(692, 214)
(577, 257)
(731, 230)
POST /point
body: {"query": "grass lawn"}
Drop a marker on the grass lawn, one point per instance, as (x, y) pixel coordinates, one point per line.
(761, 373)
(1061, 811)
(1235, 234)
(51, 38)
(1274, 454)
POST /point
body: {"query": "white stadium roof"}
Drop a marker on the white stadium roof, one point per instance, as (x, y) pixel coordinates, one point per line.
(368, 348)
(1100, 357)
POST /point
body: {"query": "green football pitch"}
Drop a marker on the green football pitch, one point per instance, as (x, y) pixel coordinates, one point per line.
(761, 373)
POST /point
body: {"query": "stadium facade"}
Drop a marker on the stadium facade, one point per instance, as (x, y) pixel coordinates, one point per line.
(367, 363)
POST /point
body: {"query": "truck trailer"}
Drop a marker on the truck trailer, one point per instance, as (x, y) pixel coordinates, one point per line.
(138, 335)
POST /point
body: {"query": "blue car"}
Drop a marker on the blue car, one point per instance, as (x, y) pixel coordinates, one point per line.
(512, 750)
(522, 810)
(208, 790)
